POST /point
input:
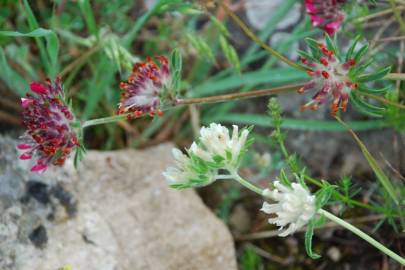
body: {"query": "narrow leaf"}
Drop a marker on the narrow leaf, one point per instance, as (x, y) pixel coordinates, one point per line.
(308, 241)
(374, 76)
(366, 107)
(384, 180)
(360, 53)
(351, 49)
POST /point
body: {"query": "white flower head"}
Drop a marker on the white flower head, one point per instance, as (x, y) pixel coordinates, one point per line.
(216, 149)
(294, 207)
(185, 174)
(218, 142)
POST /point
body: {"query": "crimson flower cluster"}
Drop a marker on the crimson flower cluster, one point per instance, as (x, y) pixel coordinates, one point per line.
(143, 91)
(49, 138)
(331, 78)
(326, 14)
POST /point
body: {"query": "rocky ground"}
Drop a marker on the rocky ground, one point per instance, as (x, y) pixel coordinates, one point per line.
(115, 213)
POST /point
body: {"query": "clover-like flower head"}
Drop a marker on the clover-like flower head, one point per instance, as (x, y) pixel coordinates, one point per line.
(294, 207)
(215, 149)
(143, 91)
(326, 14)
(50, 137)
(339, 77)
(330, 76)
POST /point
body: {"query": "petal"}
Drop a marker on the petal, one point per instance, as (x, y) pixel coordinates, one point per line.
(24, 146)
(25, 156)
(38, 88)
(39, 167)
(25, 102)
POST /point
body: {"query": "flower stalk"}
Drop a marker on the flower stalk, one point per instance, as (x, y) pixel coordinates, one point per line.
(247, 184)
(224, 98)
(335, 219)
(362, 235)
(240, 95)
(105, 120)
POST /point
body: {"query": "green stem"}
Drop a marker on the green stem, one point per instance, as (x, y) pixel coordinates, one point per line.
(295, 169)
(395, 76)
(105, 120)
(247, 184)
(362, 235)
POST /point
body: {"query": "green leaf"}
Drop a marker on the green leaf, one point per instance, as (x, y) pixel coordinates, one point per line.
(352, 47)
(203, 49)
(14, 81)
(290, 123)
(379, 91)
(230, 53)
(323, 195)
(222, 28)
(250, 259)
(308, 240)
(365, 107)
(276, 76)
(314, 47)
(176, 62)
(52, 44)
(98, 86)
(358, 69)
(87, 12)
(379, 74)
(331, 45)
(306, 55)
(49, 53)
(159, 7)
(176, 65)
(360, 53)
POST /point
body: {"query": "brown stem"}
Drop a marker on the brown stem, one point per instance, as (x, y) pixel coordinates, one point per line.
(233, 96)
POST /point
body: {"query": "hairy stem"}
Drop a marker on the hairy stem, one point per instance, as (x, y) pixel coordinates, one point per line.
(362, 235)
(105, 120)
(240, 95)
(247, 184)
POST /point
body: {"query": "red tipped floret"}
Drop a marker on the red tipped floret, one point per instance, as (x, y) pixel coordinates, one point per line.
(144, 87)
(326, 14)
(49, 138)
(331, 79)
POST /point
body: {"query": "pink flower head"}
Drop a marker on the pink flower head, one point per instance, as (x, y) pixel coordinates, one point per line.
(325, 14)
(331, 78)
(49, 138)
(146, 84)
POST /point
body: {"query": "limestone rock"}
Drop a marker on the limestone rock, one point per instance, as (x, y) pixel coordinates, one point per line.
(127, 218)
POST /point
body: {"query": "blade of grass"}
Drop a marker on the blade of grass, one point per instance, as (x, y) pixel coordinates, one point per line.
(13, 80)
(33, 24)
(297, 124)
(99, 85)
(88, 15)
(384, 180)
(131, 35)
(274, 76)
(52, 44)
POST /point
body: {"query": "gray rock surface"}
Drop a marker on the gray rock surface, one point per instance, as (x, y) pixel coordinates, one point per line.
(115, 213)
